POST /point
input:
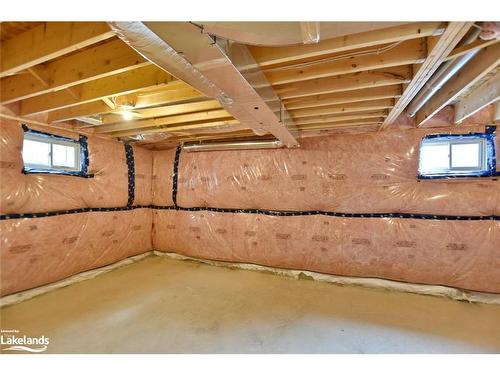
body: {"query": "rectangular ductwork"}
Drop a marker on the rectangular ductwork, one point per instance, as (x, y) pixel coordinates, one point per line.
(185, 51)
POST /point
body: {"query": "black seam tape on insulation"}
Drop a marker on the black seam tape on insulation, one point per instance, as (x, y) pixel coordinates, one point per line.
(255, 212)
(131, 180)
(174, 175)
(129, 154)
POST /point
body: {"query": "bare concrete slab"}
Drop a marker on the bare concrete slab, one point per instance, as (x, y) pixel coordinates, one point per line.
(160, 305)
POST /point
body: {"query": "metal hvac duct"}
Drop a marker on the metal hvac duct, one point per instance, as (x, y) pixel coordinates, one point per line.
(191, 55)
(443, 74)
(240, 145)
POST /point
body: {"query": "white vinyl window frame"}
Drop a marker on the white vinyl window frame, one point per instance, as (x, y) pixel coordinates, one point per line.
(482, 156)
(51, 167)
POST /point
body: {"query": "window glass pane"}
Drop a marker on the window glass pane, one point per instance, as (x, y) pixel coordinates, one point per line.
(434, 157)
(63, 156)
(465, 155)
(36, 152)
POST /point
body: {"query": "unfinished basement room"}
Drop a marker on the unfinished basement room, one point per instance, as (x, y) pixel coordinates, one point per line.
(249, 187)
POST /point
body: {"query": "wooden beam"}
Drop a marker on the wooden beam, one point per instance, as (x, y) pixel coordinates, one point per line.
(484, 62)
(104, 60)
(376, 93)
(340, 117)
(178, 128)
(266, 56)
(409, 52)
(452, 35)
(164, 121)
(348, 82)
(480, 97)
(474, 46)
(167, 110)
(374, 105)
(49, 41)
(118, 84)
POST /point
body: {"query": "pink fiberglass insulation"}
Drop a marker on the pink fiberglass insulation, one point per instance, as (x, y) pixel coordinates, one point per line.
(363, 173)
(143, 163)
(163, 162)
(37, 251)
(23, 193)
(463, 254)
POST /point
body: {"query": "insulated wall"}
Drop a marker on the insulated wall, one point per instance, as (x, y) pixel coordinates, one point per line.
(342, 204)
(54, 226)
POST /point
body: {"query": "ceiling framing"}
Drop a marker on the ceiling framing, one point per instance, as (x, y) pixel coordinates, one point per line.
(80, 76)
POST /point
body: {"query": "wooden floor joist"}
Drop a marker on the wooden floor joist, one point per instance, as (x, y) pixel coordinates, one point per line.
(480, 65)
(181, 127)
(374, 105)
(90, 64)
(168, 110)
(384, 92)
(174, 92)
(118, 84)
(405, 53)
(478, 98)
(340, 118)
(266, 56)
(453, 33)
(170, 120)
(49, 41)
(348, 82)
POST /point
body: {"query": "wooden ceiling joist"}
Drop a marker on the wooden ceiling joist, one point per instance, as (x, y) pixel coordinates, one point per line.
(478, 98)
(169, 110)
(177, 119)
(376, 93)
(178, 128)
(348, 82)
(409, 52)
(175, 91)
(339, 118)
(94, 63)
(49, 41)
(453, 33)
(119, 84)
(374, 105)
(483, 63)
(266, 56)
(341, 125)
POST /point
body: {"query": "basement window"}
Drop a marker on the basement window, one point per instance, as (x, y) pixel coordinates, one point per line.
(49, 153)
(461, 155)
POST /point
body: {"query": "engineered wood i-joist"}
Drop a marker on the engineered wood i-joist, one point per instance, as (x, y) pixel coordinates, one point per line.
(49, 41)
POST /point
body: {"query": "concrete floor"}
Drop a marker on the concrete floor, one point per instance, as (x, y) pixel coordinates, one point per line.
(159, 305)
